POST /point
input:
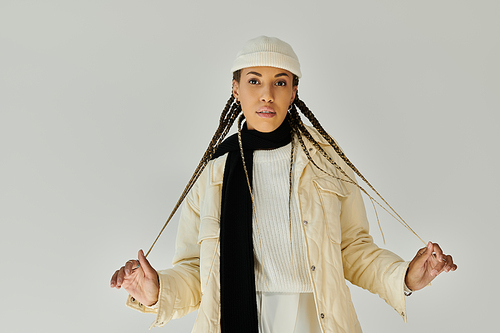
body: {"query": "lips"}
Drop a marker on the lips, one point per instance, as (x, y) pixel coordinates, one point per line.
(266, 112)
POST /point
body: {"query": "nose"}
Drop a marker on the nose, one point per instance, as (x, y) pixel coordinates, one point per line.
(267, 95)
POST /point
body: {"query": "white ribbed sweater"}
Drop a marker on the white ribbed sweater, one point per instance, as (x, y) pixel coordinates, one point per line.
(280, 265)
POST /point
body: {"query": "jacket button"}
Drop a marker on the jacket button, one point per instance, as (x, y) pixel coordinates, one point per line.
(313, 268)
(132, 299)
(311, 149)
(322, 316)
(305, 222)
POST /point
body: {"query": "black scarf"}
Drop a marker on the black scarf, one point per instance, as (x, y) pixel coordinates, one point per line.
(237, 278)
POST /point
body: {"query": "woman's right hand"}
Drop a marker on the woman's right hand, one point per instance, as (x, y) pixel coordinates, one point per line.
(139, 279)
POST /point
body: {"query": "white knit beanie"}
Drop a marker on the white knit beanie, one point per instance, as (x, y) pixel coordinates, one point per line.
(267, 51)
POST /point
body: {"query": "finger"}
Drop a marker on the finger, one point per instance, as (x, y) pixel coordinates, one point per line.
(130, 266)
(441, 261)
(113, 279)
(448, 262)
(438, 251)
(146, 266)
(425, 254)
(440, 267)
(450, 265)
(137, 264)
(120, 277)
(453, 265)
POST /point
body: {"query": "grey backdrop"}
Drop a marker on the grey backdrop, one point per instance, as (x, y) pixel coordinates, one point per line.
(107, 106)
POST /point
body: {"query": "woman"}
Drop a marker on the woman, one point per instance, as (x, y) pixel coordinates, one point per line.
(273, 222)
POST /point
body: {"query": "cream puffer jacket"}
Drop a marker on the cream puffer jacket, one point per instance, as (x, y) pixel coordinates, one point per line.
(335, 228)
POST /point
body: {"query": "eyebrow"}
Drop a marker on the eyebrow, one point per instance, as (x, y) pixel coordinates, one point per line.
(260, 75)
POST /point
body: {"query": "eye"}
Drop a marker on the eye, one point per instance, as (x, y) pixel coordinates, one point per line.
(281, 83)
(253, 81)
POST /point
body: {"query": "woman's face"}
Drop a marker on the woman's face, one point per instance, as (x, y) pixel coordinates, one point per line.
(265, 93)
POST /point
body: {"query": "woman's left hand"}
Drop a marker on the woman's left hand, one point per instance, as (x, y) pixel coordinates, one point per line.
(429, 262)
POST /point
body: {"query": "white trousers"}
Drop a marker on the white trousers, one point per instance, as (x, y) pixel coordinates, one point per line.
(287, 313)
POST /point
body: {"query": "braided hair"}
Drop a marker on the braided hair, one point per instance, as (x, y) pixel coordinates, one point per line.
(299, 131)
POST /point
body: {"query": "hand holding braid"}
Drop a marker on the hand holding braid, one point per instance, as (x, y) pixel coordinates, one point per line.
(139, 279)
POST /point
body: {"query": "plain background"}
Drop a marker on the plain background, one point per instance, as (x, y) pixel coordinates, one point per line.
(107, 107)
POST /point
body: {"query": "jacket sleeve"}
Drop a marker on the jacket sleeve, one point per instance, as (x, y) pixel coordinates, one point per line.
(365, 264)
(180, 288)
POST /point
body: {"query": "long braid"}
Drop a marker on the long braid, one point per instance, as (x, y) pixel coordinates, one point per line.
(302, 131)
(227, 118)
(310, 116)
(290, 178)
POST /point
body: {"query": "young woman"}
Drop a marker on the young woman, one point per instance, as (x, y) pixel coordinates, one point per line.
(273, 222)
